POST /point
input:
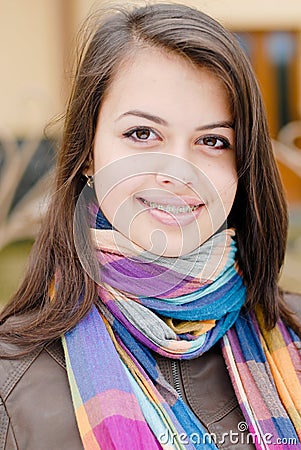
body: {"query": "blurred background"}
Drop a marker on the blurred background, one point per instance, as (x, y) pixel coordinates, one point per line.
(37, 48)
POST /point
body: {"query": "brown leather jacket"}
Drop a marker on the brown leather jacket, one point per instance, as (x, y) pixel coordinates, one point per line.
(36, 411)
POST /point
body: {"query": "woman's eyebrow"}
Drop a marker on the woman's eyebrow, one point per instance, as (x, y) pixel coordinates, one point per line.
(160, 121)
(145, 115)
(211, 126)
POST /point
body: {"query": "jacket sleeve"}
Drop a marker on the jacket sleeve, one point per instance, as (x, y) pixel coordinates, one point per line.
(293, 301)
(7, 438)
(35, 392)
(11, 371)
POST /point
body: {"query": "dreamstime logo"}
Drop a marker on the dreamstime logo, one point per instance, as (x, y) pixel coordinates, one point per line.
(241, 436)
(130, 199)
(242, 426)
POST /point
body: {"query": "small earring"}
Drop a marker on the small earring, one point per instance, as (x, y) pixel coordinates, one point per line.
(90, 181)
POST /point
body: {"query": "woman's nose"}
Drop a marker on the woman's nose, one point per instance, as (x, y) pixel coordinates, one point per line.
(175, 171)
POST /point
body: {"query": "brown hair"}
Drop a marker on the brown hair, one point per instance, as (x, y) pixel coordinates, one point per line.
(259, 212)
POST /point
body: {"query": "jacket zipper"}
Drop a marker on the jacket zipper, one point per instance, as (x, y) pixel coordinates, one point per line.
(176, 377)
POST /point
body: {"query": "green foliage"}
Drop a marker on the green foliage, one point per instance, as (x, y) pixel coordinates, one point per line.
(13, 259)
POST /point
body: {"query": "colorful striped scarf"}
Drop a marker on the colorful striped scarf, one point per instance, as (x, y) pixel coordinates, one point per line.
(265, 369)
(179, 308)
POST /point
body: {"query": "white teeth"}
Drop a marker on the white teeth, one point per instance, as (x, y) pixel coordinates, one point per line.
(171, 208)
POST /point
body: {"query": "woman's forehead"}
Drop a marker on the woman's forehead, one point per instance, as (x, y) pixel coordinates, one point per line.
(167, 86)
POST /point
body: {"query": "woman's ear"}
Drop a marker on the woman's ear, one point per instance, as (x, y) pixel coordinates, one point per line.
(88, 170)
(88, 173)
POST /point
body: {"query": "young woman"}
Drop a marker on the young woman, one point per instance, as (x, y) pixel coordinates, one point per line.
(150, 315)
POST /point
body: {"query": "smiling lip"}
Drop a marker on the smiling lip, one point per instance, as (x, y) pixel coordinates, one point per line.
(178, 211)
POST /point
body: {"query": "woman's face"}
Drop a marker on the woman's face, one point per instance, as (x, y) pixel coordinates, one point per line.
(164, 156)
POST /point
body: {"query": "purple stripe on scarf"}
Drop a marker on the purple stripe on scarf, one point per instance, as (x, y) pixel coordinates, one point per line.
(81, 343)
(235, 346)
(131, 435)
(206, 302)
(153, 282)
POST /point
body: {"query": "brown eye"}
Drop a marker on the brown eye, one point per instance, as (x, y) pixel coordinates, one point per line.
(143, 134)
(210, 141)
(140, 134)
(216, 142)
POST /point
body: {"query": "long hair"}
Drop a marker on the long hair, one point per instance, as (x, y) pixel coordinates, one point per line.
(259, 211)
